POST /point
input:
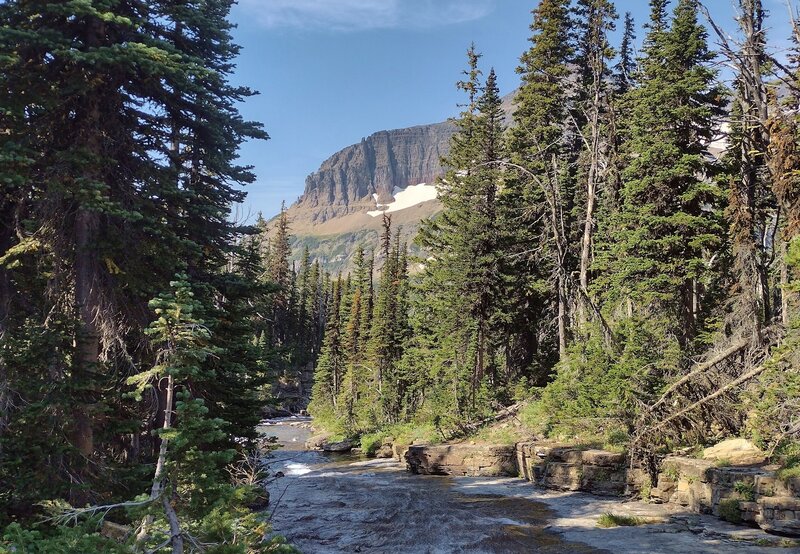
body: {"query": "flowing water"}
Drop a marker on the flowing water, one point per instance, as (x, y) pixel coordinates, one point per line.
(329, 503)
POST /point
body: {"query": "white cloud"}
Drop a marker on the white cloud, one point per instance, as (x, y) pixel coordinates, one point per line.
(356, 15)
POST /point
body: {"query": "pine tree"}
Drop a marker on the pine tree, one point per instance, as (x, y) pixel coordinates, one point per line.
(669, 224)
(280, 273)
(460, 278)
(123, 131)
(625, 69)
(332, 360)
(751, 204)
(389, 330)
(596, 20)
(541, 147)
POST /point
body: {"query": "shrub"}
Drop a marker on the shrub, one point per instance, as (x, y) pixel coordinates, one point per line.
(370, 443)
(747, 491)
(40, 539)
(671, 472)
(729, 510)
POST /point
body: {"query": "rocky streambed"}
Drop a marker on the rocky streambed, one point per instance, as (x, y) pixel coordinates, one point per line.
(332, 503)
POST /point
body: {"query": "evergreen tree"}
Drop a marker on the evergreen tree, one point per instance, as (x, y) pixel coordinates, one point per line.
(121, 133)
(625, 69)
(669, 224)
(280, 273)
(389, 330)
(460, 280)
(596, 19)
(332, 361)
(540, 146)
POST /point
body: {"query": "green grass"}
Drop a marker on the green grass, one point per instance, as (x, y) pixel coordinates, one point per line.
(407, 433)
(671, 472)
(784, 474)
(790, 469)
(371, 442)
(497, 435)
(613, 520)
(723, 462)
(647, 490)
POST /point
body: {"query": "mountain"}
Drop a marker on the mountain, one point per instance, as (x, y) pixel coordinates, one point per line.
(356, 178)
(390, 171)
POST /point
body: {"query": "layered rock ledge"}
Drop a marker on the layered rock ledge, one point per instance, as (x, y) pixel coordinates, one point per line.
(749, 494)
(462, 459)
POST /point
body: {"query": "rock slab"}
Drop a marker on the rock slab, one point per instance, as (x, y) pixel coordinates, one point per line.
(462, 459)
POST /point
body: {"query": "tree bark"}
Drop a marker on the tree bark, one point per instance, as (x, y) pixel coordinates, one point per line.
(85, 229)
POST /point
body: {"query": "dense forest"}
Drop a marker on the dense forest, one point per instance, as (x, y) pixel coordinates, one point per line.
(621, 261)
(140, 324)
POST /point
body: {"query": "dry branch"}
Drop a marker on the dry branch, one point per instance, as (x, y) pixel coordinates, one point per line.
(721, 357)
(716, 394)
(499, 416)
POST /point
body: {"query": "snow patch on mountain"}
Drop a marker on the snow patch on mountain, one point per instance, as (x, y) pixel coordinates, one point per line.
(405, 198)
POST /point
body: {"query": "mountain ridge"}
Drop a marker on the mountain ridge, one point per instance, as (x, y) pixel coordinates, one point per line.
(340, 206)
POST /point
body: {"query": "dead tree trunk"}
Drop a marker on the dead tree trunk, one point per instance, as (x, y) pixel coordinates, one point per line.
(157, 488)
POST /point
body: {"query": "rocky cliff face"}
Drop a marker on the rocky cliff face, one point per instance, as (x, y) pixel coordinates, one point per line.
(347, 181)
(340, 207)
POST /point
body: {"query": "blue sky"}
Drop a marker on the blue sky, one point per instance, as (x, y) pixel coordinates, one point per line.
(333, 71)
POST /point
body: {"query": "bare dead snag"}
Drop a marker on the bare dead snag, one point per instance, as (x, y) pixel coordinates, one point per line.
(158, 479)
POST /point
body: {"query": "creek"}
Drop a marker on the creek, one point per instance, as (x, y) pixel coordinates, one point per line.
(329, 503)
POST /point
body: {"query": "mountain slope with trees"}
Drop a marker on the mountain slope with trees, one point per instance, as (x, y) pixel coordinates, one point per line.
(598, 259)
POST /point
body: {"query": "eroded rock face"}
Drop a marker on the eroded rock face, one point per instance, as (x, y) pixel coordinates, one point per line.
(568, 468)
(737, 452)
(346, 182)
(462, 459)
(750, 494)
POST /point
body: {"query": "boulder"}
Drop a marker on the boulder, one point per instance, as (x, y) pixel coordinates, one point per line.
(737, 452)
(603, 458)
(462, 459)
(341, 446)
(385, 451)
(317, 441)
(399, 451)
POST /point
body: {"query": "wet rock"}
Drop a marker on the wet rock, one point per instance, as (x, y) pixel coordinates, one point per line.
(737, 452)
(341, 446)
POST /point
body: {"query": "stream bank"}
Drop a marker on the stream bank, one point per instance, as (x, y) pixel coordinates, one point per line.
(332, 503)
